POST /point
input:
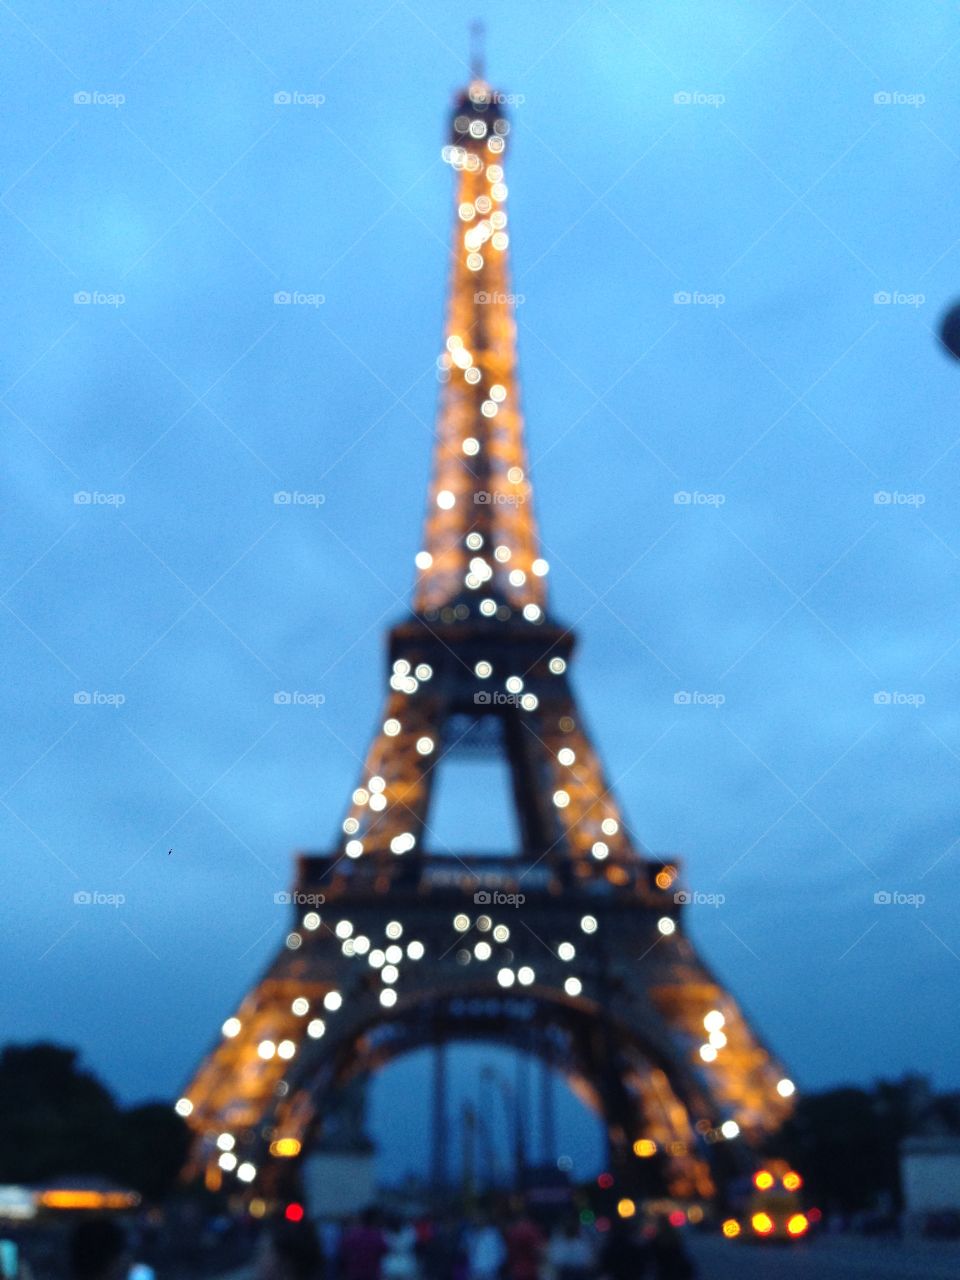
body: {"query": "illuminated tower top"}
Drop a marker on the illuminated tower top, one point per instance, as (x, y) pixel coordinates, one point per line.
(480, 554)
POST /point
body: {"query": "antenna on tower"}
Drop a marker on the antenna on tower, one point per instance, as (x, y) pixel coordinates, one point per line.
(477, 34)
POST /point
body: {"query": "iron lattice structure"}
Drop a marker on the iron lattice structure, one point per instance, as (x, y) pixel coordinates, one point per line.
(393, 946)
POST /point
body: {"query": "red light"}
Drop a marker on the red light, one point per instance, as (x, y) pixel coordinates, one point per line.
(677, 1218)
(605, 1180)
(602, 1224)
(293, 1212)
(814, 1215)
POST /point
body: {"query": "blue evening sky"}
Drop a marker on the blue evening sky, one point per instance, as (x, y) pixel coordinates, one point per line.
(777, 180)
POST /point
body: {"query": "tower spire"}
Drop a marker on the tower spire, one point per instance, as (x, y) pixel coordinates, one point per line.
(480, 549)
(477, 59)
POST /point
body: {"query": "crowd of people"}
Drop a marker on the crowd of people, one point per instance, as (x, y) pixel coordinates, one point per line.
(378, 1247)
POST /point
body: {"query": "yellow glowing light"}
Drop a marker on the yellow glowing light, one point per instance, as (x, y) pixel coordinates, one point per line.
(792, 1181)
(762, 1223)
(731, 1228)
(626, 1208)
(644, 1148)
(797, 1224)
(71, 1199)
(763, 1179)
(285, 1148)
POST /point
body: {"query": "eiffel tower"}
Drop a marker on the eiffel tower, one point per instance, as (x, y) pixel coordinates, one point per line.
(574, 945)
